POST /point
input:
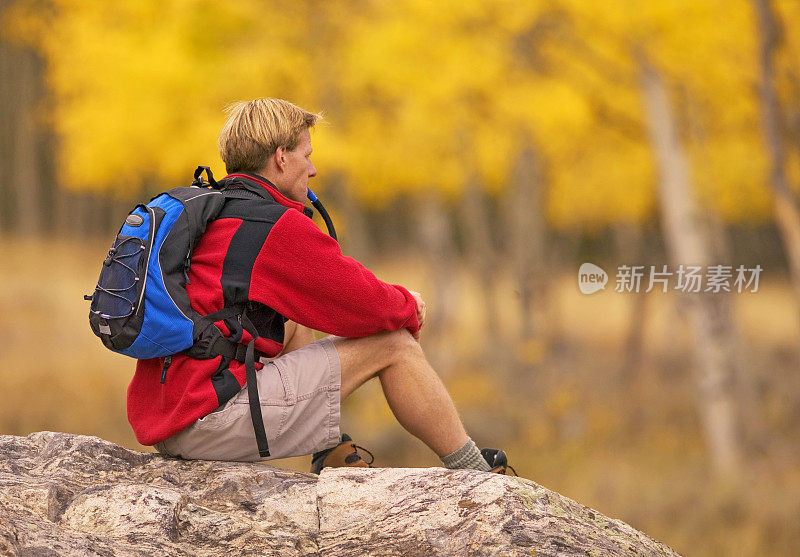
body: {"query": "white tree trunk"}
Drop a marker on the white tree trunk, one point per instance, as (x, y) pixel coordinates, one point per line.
(481, 255)
(629, 248)
(435, 230)
(687, 243)
(21, 94)
(526, 240)
(356, 240)
(787, 216)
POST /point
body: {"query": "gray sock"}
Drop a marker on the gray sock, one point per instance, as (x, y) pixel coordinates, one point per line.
(467, 457)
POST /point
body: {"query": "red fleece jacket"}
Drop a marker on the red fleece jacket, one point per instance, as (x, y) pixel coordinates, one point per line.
(295, 270)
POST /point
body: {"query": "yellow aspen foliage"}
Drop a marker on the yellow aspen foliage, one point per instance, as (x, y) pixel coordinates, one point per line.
(708, 52)
(420, 95)
(139, 87)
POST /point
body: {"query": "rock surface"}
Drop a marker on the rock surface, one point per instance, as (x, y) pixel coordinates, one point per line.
(63, 494)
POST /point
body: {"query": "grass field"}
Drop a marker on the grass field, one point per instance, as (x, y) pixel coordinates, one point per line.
(628, 445)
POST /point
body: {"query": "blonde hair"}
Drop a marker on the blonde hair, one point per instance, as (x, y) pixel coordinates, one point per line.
(255, 129)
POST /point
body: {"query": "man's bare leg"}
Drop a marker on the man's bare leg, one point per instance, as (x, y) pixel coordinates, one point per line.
(416, 395)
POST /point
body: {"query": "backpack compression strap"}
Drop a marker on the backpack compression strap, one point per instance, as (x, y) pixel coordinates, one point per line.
(252, 388)
(224, 347)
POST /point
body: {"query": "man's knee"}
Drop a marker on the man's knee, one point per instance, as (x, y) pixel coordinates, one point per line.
(403, 344)
(376, 351)
(364, 358)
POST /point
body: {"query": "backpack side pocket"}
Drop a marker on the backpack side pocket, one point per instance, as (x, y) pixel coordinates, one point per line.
(117, 300)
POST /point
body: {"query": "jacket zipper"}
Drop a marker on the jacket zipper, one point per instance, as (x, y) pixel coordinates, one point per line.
(167, 363)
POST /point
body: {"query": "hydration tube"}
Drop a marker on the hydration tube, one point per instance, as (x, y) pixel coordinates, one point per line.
(324, 213)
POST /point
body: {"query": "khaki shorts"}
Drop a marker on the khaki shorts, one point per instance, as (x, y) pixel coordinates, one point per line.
(300, 403)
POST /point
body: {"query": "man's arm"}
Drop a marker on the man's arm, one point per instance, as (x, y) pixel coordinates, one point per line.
(301, 273)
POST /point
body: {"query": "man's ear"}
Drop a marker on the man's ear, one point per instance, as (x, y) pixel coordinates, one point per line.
(280, 158)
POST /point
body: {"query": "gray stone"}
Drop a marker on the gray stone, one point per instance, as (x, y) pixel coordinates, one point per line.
(63, 494)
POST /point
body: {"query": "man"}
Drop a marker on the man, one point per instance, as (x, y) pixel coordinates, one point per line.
(265, 252)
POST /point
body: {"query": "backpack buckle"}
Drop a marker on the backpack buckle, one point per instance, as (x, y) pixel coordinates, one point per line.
(198, 177)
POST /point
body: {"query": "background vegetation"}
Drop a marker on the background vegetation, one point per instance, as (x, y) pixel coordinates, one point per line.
(477, 151)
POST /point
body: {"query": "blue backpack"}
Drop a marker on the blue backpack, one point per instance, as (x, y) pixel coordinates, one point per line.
(140, 307)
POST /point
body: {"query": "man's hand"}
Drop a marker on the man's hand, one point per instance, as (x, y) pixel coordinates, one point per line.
(421, 310)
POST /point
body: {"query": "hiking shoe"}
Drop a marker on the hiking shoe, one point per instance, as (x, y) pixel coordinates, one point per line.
(344, 454)
(498, 461)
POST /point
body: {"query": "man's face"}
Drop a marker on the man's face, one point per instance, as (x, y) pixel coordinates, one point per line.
(297, 169)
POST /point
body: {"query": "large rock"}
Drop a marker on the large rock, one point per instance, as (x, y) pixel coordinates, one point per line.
(63, 494)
